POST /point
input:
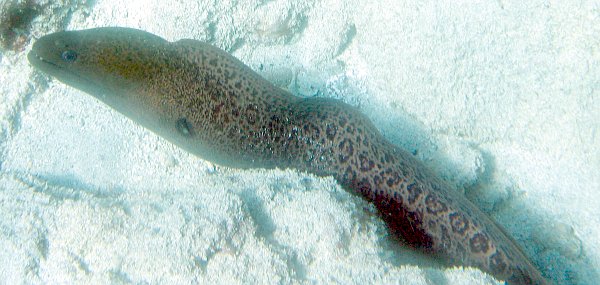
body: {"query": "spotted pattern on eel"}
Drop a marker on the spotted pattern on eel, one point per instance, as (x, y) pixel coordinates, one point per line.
(212, 105)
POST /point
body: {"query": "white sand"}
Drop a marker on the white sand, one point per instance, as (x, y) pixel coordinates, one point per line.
(501, 98)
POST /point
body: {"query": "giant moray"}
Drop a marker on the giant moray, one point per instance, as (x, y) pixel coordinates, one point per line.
(209, 103)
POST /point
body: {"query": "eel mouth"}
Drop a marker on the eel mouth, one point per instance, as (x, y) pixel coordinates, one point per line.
(39, 62)
(40, 56)
(45, 56)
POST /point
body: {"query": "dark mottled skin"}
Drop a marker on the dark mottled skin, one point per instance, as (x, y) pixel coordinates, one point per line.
(211, 104)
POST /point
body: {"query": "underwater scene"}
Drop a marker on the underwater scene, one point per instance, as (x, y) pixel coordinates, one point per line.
(299, 142)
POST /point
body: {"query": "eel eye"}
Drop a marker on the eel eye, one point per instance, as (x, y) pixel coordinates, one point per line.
(69, 56)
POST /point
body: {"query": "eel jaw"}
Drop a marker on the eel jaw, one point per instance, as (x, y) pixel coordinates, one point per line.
(40, 63)
(63, 74)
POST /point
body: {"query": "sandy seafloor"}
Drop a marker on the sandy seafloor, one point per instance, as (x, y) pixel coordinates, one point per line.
(500, 98)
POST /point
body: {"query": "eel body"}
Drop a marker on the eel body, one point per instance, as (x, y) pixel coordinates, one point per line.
(212, 105)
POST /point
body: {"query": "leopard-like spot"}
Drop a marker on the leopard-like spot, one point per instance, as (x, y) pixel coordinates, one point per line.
(414, 192)
(498, 262)
(331, 131)
(346, 150)
(459, 223)
(479, 243)
(434, 205)
(366, 164)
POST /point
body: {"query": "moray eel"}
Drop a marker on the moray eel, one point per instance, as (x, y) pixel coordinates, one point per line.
(209, 103)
